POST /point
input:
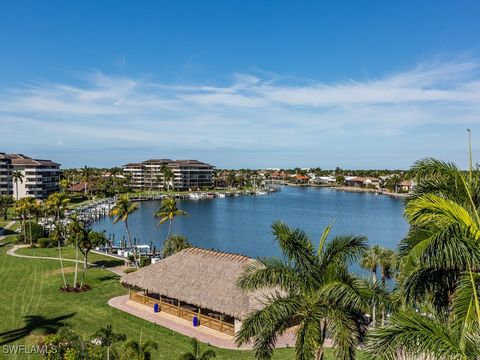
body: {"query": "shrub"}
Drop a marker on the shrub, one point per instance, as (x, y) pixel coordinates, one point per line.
(129, 270)
(145, 262)
(46, 243)
(37, 232)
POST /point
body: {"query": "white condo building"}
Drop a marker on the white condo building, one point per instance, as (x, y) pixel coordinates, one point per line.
(39, 177)
(187, 174)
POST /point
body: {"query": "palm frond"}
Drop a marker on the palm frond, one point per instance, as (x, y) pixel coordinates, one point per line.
(413, 335)
(430, 209)
(270, 273)
(465, 313)
(272, 319)
(347, 330)
(308, 337)
(343, 250)
(295, 244)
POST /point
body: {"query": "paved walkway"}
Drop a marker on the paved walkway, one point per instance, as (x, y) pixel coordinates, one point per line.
(12, 252)
(184, 327)
(117, 270)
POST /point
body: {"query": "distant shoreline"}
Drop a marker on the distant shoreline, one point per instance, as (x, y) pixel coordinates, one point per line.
(355, 189)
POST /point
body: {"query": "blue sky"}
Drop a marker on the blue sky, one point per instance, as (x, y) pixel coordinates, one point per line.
(356, 84)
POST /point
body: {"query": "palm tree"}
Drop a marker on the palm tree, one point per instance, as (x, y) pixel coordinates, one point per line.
(21, 211)
(64, 184)
(121, 211)
(31, 206)
(439, 261)
(442, 243)
(139, 350)
(17, 176)
(370, 261)
(316, 293)
(106, 337)
(410, 335)
(174, 244)
(86, 176)
(167, 176)
(167, 212)
(388, 264)
(77, 232)
(56, 204)
(196, 353)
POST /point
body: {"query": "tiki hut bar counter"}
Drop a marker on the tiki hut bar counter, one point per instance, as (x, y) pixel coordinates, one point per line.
(197, 285)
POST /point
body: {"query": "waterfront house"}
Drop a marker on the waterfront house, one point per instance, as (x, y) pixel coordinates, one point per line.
(300, 179)
(79, 188)
(322, 180)
(197, 283)
(354, 181)
(405, 186)
(362, 182)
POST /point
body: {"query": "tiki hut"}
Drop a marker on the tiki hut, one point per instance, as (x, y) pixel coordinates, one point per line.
(198, 282)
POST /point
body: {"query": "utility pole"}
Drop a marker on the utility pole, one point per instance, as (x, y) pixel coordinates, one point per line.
(470, 154)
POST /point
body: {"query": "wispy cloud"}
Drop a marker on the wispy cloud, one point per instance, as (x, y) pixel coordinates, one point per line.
(254, 111)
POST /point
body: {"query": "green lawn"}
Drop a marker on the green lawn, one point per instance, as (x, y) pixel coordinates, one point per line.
(33, 305)
(69, 253)
(3, 223)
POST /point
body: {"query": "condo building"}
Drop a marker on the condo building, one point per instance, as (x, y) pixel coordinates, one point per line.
(186, 174)
(39, 178)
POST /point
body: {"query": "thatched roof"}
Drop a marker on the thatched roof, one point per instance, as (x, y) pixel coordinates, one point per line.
(203, 278)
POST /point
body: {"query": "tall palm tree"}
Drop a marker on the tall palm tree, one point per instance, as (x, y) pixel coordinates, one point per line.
(388, 265)
(440, 263)
(196, 353)
(442, 243)
(64, 184)
(21, 210)
(56, 204)
(17, 177)
(122, 209)
(77, 232)
(106, 337)
(167, 176)
(168, 211)
(31, 206)
(315, 292)
(370, 261)
(139, 350)
(86, 176)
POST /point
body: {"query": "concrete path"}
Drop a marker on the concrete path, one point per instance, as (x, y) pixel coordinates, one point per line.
(12, 252)
(184, 327)
(117, 270)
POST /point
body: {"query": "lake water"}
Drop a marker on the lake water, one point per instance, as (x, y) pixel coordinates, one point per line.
(243, 224)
